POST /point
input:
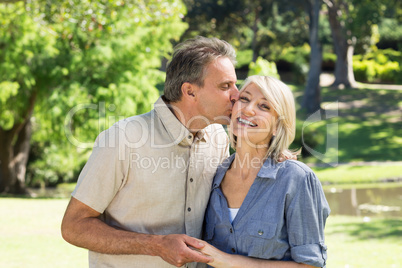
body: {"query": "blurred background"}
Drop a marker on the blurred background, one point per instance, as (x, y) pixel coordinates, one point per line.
(70, 69)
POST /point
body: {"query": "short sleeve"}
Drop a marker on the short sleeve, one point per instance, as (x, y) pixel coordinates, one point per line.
(306, 216)
(105, 171)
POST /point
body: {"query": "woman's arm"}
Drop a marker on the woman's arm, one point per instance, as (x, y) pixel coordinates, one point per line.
(225, 260)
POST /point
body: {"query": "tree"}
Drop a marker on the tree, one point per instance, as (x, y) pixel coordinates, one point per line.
(25, 51)
(351, 22)
(55, 56)
(246, 24)
(311, 98)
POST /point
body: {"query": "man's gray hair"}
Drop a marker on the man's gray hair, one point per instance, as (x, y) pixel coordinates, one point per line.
(189, 61)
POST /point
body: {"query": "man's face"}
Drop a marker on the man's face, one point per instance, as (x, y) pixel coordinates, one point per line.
(217, 96)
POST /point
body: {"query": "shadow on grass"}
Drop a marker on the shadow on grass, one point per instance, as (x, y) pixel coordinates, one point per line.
(375, 229)
(369, 124)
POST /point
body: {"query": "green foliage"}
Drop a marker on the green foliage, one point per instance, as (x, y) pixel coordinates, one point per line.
(244, 57)
(298, 59)
(8, 90)
(263, 67)
(27, 49)
(390, 31)
(381, 66)
(91, 63)
(259, 25)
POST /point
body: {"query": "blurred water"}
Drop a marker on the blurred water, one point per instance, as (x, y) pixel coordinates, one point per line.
(383, 202)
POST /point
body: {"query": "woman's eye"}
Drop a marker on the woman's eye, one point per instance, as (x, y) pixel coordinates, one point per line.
(243, 99)
(265, 107)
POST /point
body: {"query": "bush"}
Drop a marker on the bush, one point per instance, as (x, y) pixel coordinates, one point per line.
(381, 66)
(244, 57)
(298, 59)
(263, 67)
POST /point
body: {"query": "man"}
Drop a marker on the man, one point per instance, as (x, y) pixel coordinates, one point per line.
(140, 199)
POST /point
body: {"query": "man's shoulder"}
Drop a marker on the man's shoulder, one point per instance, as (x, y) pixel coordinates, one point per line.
(133, 123)
(129, 129)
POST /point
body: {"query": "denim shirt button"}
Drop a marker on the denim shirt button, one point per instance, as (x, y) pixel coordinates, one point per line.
(260, 232)
(233, 250)
(231, 230)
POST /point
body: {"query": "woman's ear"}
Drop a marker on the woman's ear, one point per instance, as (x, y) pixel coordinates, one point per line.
(188, 90)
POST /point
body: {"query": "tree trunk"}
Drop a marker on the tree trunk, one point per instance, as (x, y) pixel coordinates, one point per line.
(312, 99)
(14, 150)
(343, 46)
(21, 153)
(14, 158)
(255, 33)
(7, 170)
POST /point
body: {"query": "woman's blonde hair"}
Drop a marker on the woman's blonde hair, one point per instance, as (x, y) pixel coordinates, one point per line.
(282, 101)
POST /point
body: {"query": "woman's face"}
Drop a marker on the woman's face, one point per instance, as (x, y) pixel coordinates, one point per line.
(253, 118)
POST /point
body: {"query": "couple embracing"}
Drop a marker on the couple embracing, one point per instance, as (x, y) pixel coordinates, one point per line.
(255, 208)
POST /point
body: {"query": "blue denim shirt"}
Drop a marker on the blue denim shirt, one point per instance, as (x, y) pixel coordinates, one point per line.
(282, 217)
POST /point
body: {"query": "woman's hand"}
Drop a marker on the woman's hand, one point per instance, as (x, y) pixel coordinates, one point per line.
(220, 258)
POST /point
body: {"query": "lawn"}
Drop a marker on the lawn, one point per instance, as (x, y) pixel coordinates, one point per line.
(30, 237)
(355, 242)
(365, 127)
(369, 123)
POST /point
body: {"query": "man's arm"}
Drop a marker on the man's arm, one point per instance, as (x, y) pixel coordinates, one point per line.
(81, 227)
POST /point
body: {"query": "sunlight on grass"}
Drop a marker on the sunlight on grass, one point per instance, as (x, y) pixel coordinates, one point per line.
(357, 174)
(355, 242)
(30, 235)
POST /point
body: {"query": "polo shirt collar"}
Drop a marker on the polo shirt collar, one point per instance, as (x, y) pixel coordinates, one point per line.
(176, 130)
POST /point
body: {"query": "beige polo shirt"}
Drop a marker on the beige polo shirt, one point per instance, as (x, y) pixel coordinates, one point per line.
(149, 174)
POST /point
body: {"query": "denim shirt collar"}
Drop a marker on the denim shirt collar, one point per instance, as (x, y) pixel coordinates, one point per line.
(269, 169)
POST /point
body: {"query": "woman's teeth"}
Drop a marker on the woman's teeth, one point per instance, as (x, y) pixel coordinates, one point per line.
(246, 122)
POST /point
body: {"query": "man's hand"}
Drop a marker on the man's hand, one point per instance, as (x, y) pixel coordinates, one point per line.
(175, 249)
(288, 155)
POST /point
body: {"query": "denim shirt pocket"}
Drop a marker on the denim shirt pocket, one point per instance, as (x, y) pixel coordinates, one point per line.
(260, 234)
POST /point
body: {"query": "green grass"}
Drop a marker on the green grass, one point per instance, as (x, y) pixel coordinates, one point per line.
(30, 237)
(368, 127)
(354, 243)
(369, 123)
(358, 174)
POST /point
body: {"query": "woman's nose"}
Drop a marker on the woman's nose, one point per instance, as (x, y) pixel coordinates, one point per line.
(248, 109)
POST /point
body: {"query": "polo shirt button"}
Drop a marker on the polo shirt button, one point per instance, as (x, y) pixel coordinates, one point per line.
(189, 209)
(191, 179)
(233, 250)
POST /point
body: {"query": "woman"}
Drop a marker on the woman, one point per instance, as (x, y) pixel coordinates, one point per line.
(265, 213)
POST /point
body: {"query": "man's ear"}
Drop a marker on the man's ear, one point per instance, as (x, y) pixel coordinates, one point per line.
(188, 90)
